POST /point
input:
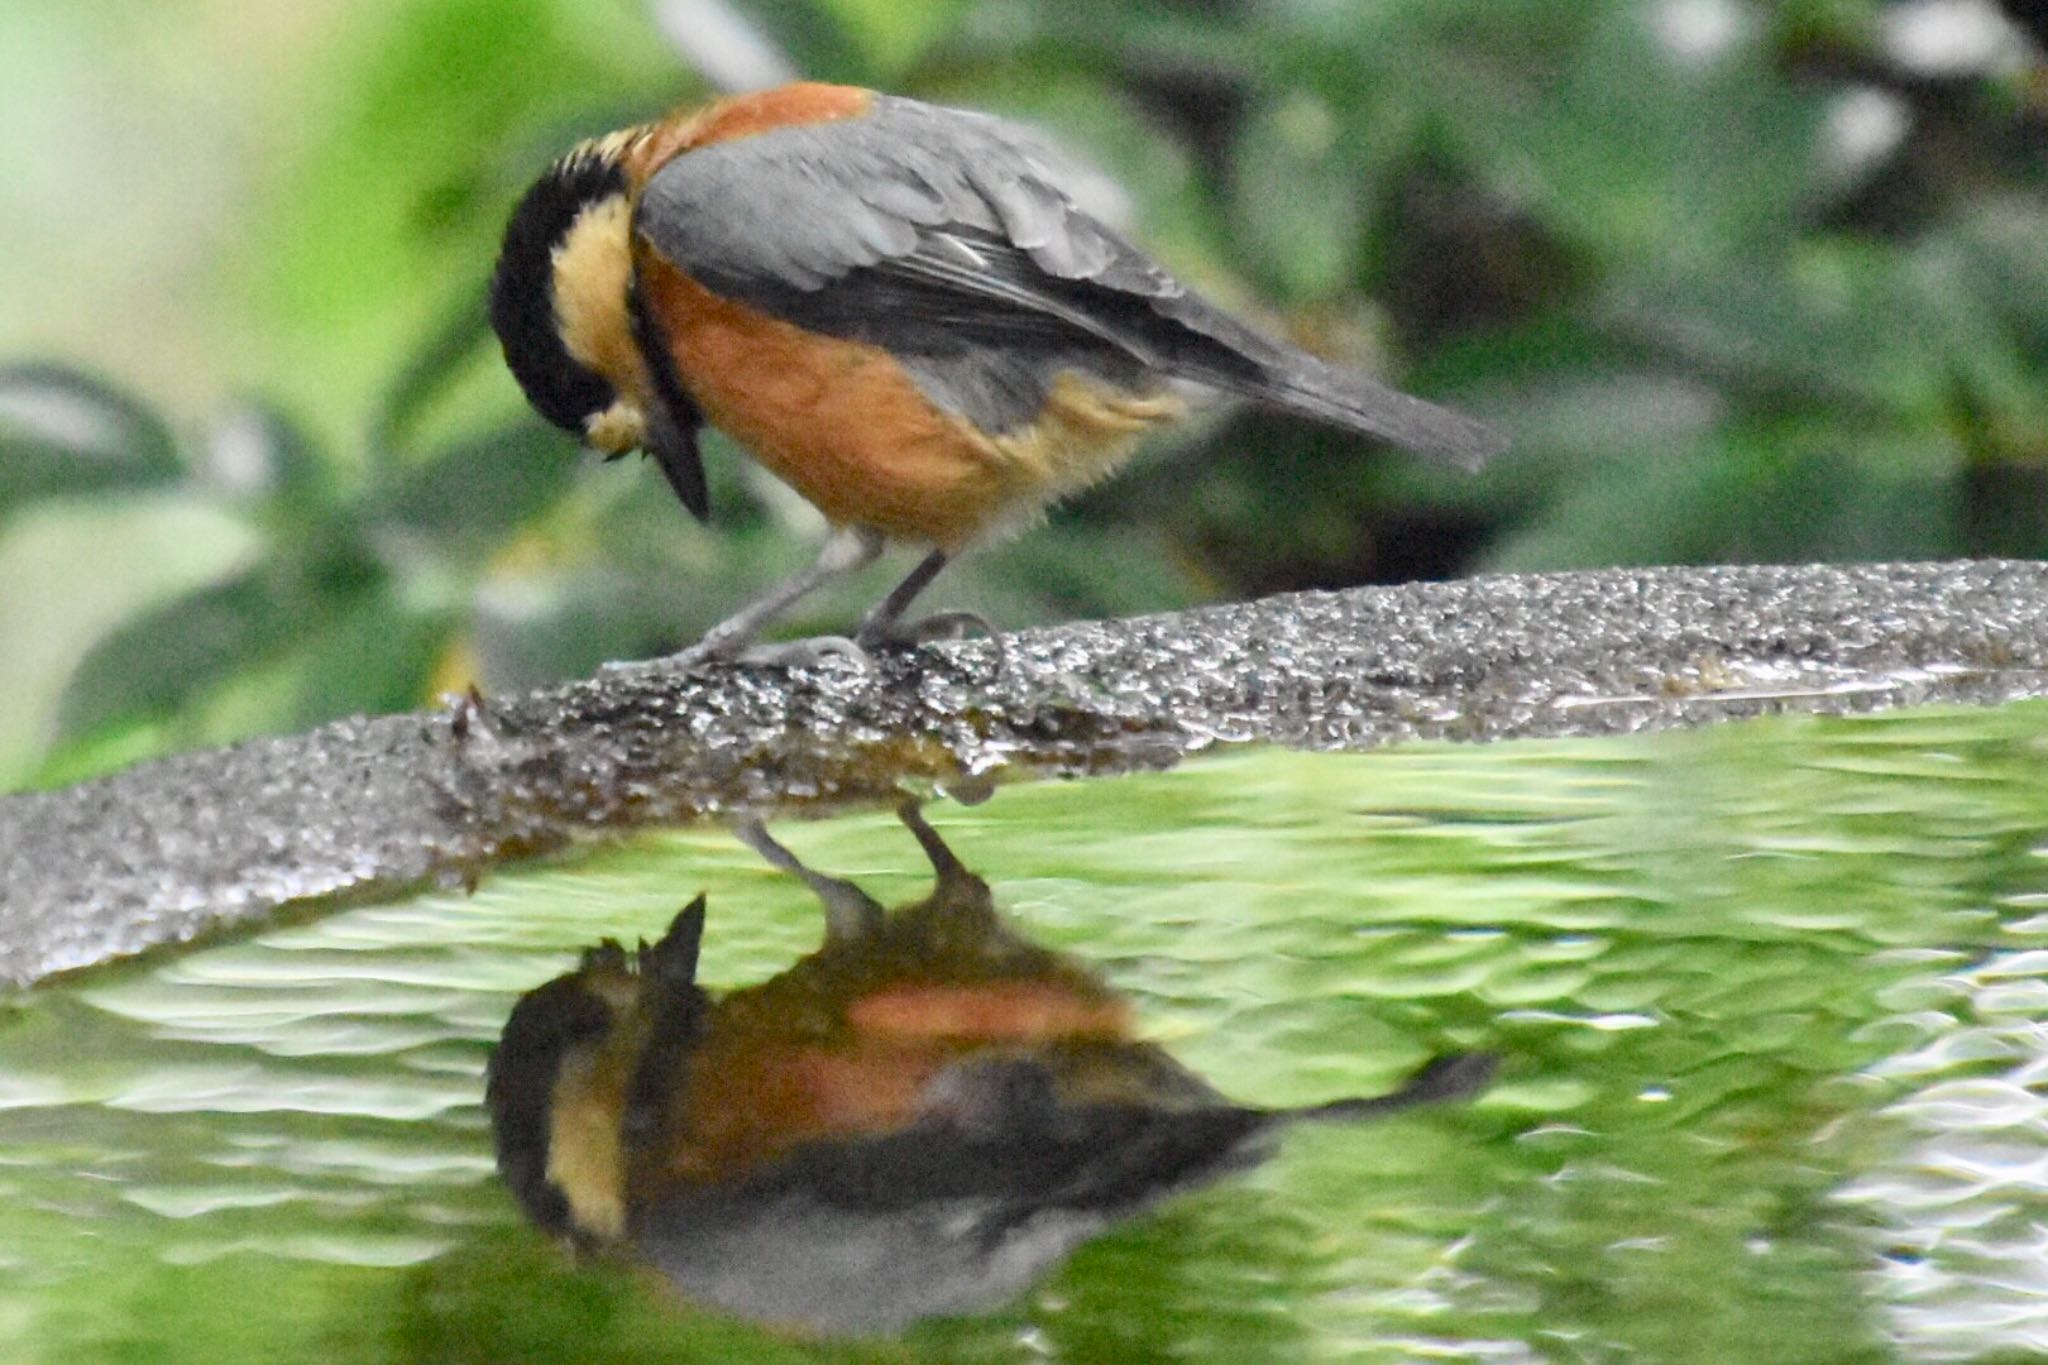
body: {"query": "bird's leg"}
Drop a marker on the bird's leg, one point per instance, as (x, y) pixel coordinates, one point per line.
(956, 884)
(884, 623)
(850, 913)
(879, 626)
(845, 550)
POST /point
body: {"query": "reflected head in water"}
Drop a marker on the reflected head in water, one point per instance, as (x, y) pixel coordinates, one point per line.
(920, 1118)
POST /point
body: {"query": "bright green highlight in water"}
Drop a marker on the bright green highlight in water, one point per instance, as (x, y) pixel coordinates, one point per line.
(1773, 999)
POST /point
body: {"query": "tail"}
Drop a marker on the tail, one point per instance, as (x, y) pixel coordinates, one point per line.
(1446, 1078)
(1344, 398)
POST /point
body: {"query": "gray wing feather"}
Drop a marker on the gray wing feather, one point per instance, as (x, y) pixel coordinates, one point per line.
(943, 235)
(803, 206)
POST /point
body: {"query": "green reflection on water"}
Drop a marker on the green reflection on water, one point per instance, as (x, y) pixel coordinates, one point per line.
(1773, 998)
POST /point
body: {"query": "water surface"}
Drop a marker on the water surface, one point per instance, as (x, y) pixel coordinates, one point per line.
(1773, 999)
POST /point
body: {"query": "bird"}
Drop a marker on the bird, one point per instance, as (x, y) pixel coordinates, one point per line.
(897, 307)
(921, 1118)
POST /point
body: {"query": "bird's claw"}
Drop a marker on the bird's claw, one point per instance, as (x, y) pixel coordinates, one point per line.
(804, 653)
(940, 625)
(859, 649)
(789, 654)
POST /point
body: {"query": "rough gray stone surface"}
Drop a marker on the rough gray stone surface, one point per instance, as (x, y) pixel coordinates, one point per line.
(182, 847)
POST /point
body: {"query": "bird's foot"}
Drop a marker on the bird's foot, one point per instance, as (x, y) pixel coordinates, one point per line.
(712, 650)
(940, 625)
(805, 653)
(734, 647)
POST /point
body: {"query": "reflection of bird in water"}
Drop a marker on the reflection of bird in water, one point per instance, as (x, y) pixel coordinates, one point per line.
(920, 1118)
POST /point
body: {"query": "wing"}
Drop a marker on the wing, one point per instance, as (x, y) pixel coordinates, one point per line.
(940, 235)
(943, 236)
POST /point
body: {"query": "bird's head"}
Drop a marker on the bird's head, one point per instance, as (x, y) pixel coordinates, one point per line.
(568, 313)
(560, 297)
(562, 1080)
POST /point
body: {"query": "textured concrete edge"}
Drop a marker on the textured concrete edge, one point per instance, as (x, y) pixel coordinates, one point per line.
(183, 847)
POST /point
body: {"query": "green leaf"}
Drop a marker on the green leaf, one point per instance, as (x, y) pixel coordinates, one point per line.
(1633, 151)
(1821, 325)
(1770, 491)
(375, 654)
(1301, 194)
(1063, 571)
(394, 188)
(63, 432)
(103, 751)
(563, 622)
(165, 659)
(894, 35)
(259, 453)
(482, 487)
(430, 371)
(1982, 314)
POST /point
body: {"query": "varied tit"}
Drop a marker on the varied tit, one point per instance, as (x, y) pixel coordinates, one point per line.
(921, 1118)
(896, 307)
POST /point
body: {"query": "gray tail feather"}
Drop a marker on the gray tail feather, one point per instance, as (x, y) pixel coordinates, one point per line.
(1355, 402)
(1446, 1078)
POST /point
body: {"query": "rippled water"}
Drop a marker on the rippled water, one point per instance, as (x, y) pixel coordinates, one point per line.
(1774, 1001)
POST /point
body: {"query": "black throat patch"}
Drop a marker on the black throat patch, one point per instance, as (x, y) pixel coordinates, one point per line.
(523, 289)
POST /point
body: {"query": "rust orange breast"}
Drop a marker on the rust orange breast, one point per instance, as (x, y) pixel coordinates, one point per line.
(839, 421)
(754, 1090)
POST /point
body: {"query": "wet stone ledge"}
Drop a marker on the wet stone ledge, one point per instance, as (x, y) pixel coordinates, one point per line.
(183, 847)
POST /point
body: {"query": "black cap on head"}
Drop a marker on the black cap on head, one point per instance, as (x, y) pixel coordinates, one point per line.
(523, 289)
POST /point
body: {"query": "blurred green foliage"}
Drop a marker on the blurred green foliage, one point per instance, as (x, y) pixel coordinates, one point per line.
(1747, 282)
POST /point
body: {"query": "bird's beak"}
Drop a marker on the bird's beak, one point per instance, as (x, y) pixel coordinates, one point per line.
(673, 961)
(673, 445)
